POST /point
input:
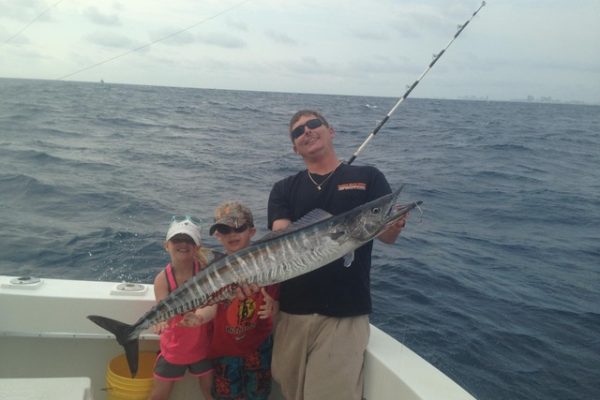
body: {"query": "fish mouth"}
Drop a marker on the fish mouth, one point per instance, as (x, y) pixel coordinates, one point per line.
(396, 210)
(393, 206)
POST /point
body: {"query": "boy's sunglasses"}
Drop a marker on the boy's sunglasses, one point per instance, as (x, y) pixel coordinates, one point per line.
(226, 229)
(311, 124)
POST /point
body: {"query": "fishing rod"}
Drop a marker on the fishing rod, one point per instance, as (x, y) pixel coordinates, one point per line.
(436, 57)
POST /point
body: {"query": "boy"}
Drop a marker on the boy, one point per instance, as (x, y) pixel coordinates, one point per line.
(242, 342)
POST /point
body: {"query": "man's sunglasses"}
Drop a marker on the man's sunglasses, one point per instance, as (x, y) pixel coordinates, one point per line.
(226, 229)
(311, 124)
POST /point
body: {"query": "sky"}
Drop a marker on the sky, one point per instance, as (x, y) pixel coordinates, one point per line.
(510, 50)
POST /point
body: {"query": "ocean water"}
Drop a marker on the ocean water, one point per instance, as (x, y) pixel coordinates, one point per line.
(497, 283)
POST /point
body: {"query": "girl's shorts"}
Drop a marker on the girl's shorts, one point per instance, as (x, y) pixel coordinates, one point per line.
(166, 371)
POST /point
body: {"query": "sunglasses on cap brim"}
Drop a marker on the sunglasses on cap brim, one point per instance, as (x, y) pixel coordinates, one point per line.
(181, 218)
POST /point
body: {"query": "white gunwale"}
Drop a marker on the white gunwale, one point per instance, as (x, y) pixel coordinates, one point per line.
(44, 333)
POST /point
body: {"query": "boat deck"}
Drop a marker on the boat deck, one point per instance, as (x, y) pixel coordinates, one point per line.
(44, 333)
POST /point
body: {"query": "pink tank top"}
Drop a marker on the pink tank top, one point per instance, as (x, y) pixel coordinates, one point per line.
(184, 345)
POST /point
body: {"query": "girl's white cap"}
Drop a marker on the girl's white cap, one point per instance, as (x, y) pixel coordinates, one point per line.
(186, 227)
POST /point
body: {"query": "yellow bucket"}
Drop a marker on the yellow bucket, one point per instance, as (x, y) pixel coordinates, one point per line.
(119, 383)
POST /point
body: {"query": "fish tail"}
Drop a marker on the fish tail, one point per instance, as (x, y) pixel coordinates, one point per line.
(122, 332)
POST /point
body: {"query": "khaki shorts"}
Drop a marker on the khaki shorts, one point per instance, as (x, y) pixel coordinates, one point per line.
(317, 357)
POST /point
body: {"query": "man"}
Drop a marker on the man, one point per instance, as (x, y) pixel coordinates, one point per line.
(323, 327)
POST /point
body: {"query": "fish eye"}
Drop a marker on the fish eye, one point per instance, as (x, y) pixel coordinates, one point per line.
(376, 210)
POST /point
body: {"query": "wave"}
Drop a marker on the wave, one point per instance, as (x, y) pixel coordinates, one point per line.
(494, 283)
(38, 159)
(19, 189)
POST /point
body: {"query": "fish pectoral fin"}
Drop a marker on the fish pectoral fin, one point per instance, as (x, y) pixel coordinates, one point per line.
(335, 235)
(348, 259)
(208, 255)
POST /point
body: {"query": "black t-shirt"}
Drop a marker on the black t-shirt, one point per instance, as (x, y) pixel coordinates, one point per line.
(332, 290)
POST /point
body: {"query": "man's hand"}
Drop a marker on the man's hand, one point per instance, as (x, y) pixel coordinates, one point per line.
(391, 233)
(269, 307)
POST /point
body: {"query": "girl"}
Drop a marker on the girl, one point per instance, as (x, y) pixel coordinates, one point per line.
(182, 346)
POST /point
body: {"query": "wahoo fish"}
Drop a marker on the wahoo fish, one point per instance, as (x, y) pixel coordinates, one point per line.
(315, 240)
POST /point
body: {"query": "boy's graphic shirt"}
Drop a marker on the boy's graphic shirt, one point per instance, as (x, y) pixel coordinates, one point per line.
(237, 328)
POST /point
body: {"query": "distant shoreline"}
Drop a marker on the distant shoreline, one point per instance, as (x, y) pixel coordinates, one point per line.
(530, 99)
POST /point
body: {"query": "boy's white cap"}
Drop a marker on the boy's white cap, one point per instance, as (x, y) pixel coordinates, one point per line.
(187, 227)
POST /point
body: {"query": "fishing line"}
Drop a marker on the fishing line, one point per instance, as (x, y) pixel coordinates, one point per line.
(31, 22)
(155, 41)
(436, 57)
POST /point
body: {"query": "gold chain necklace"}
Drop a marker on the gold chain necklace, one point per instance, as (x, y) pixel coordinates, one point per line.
(319, 186)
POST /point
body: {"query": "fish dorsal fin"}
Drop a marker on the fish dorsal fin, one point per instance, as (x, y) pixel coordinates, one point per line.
(312, 217)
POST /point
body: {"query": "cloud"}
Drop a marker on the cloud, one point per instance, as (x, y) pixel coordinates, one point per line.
(169, 38)
(414, 22)
(17, 40)
(309, 66)
(281, 38)
(26, 11)
(371, 45)
(370, 35)
(383, 65)
(29, 54)
(12, 38)
(113, 40)
(238, 25)
(222, 40)
(92, 14)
